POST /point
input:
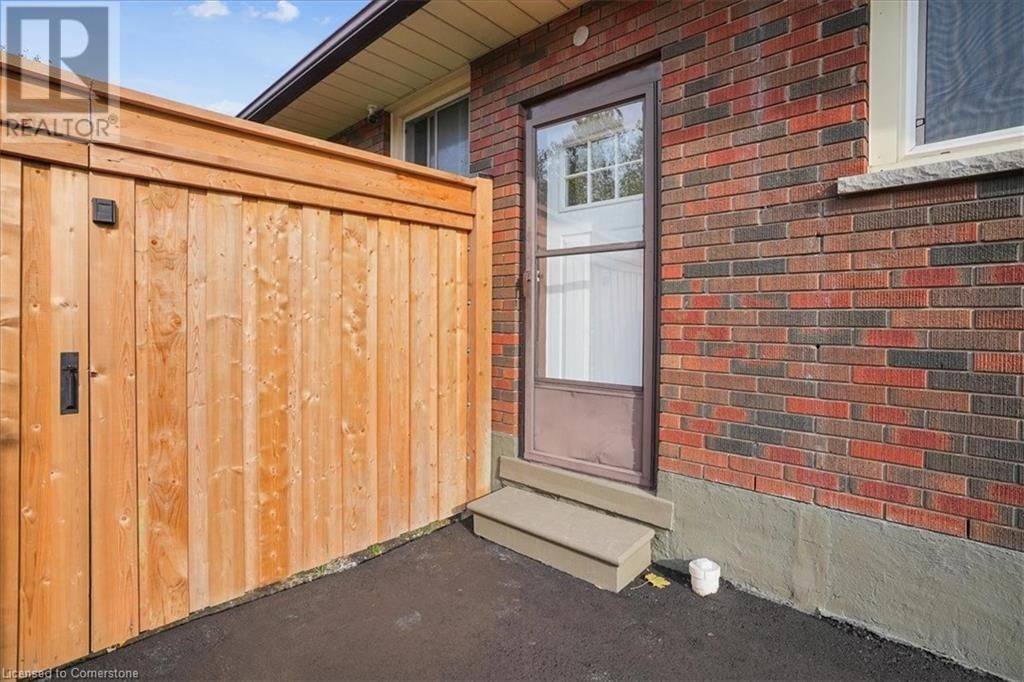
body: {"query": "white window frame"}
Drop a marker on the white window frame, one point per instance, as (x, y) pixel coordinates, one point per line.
(436, 95)
(894, 61)
(589, 172)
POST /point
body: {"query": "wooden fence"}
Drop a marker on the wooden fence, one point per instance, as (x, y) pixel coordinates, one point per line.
(285, 358)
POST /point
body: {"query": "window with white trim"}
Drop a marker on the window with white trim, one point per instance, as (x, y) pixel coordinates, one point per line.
(946, 80)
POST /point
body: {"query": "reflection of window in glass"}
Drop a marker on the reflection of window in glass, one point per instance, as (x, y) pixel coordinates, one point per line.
(604, 168)
(591, 319)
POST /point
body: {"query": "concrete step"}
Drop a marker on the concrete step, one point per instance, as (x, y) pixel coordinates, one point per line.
(601, 549)
(616, 498)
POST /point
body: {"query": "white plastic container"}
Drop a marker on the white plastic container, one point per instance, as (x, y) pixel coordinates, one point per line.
(704, 576)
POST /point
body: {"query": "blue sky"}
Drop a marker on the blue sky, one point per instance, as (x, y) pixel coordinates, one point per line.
(219, 54)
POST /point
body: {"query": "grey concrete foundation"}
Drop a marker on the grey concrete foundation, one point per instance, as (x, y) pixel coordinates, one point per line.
(502, 445)
(954, 597)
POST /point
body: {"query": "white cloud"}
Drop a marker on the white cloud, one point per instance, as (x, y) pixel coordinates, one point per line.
(209, 8)
(225, 106)
(284, 12)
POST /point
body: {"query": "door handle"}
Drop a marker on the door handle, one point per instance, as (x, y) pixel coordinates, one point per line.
(69, 383)
(529, 278)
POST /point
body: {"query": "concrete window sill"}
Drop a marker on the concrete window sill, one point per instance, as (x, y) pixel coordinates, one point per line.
(939, 171)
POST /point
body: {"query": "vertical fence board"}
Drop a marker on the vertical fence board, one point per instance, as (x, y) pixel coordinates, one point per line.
(373, 337)
(10, 406)
(462, 367)
(273, 359)
(197, 380)
(423, 377)
(451, 467)
(223, 337)
(250, 392)
(480, 343)
(161, 272)
(359, 377)
(113, 457)
(400, 405)
(54, 566)
(316, 340)
(334, 443)
(294, 359)
(393, 380)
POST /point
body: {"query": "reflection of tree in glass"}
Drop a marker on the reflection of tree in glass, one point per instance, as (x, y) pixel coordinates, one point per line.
(598, 124)
(631, 144)
(541, 171)
(601, 140)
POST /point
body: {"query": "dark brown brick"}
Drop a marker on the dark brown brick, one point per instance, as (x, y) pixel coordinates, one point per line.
(683, 46)
(736, 447)
(1001, 186)
(997, 406)
(853, 318)
(904, 217)
(759, 133)
(707, 114)
(1011, 538)
(821, 337)
(844, 22)
(970, 466)
(799, 176)
(763, 266)
(1007, 450)
(973, 253)
(814, 86)
(847, 131)
(704, 84)
(756, 434)
(977, 297)
(761, 33)
(928, 359)
(760, 233)
(972, 383)
(976, 210)
(975, 340)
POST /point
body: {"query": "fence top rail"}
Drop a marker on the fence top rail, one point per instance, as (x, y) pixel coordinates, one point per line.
(163, 128)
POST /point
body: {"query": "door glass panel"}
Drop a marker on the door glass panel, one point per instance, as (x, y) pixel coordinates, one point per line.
(589, 175)
(591, 317)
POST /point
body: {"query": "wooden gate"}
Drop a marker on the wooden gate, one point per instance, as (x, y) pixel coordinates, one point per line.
(283, 358)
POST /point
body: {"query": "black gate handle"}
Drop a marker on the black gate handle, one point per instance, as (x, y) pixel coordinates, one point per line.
(69, 383)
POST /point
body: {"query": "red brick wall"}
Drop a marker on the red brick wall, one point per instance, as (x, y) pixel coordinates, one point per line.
(373, 137)
(860, 353)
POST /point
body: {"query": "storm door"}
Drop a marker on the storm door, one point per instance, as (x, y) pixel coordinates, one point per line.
(589, 282)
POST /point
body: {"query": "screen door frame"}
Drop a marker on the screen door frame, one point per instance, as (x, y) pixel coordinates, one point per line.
(635, 85)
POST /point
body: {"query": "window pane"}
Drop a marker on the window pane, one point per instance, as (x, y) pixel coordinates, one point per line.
(576, 193)
(602, 152)
(453, 137)
(576, 158)
(631, 145)
(631, 179)
(417, 136)
(564, 218)
(591, 317)
(603, 185)
(974, 67)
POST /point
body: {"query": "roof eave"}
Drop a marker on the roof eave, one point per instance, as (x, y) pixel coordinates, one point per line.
(370, 23)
